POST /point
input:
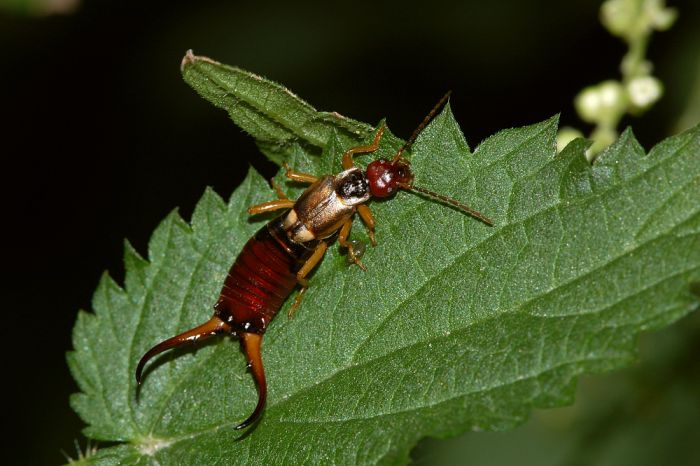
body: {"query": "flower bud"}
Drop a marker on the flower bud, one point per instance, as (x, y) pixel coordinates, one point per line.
(565, 135)
(644, 91)
(601, 103)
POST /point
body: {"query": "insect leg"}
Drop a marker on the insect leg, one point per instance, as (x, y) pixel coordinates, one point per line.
(368, 220)
(297, 176)
(347, 156)
(269, 206)
(280, 193)
(305, 269)
(343, 241)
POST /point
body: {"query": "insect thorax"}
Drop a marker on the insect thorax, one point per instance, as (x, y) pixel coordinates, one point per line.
(326, 205)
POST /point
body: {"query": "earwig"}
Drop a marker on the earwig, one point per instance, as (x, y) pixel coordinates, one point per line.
(283, 252)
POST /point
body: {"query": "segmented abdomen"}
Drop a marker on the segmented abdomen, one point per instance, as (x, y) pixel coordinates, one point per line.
(262, 278)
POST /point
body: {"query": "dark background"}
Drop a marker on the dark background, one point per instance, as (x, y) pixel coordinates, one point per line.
(101, 138)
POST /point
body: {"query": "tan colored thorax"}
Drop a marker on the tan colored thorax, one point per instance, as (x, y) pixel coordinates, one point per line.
(318, 213)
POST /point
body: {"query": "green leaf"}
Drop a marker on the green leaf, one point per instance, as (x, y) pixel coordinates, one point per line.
(269, 112)
(641, 416)
(455, 326)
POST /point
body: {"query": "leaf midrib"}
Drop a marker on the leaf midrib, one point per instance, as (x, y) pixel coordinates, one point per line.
(272, 116)
(599, 267)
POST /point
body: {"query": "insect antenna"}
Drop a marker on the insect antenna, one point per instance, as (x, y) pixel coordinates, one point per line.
(407, 145)
(453, 202)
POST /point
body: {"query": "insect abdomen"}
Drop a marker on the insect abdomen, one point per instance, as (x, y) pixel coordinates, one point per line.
(261, 279)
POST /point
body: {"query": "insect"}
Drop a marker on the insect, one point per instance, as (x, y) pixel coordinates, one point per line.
(282, 253)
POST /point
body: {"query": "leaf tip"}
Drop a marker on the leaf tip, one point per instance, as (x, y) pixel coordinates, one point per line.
(190, 58)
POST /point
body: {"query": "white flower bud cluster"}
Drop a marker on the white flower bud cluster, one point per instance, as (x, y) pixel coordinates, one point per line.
(631, 19)
(606, 103)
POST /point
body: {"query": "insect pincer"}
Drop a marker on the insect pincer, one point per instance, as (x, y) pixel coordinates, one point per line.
(213, 326)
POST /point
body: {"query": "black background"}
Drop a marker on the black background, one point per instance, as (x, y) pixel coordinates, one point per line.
(101, 138)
